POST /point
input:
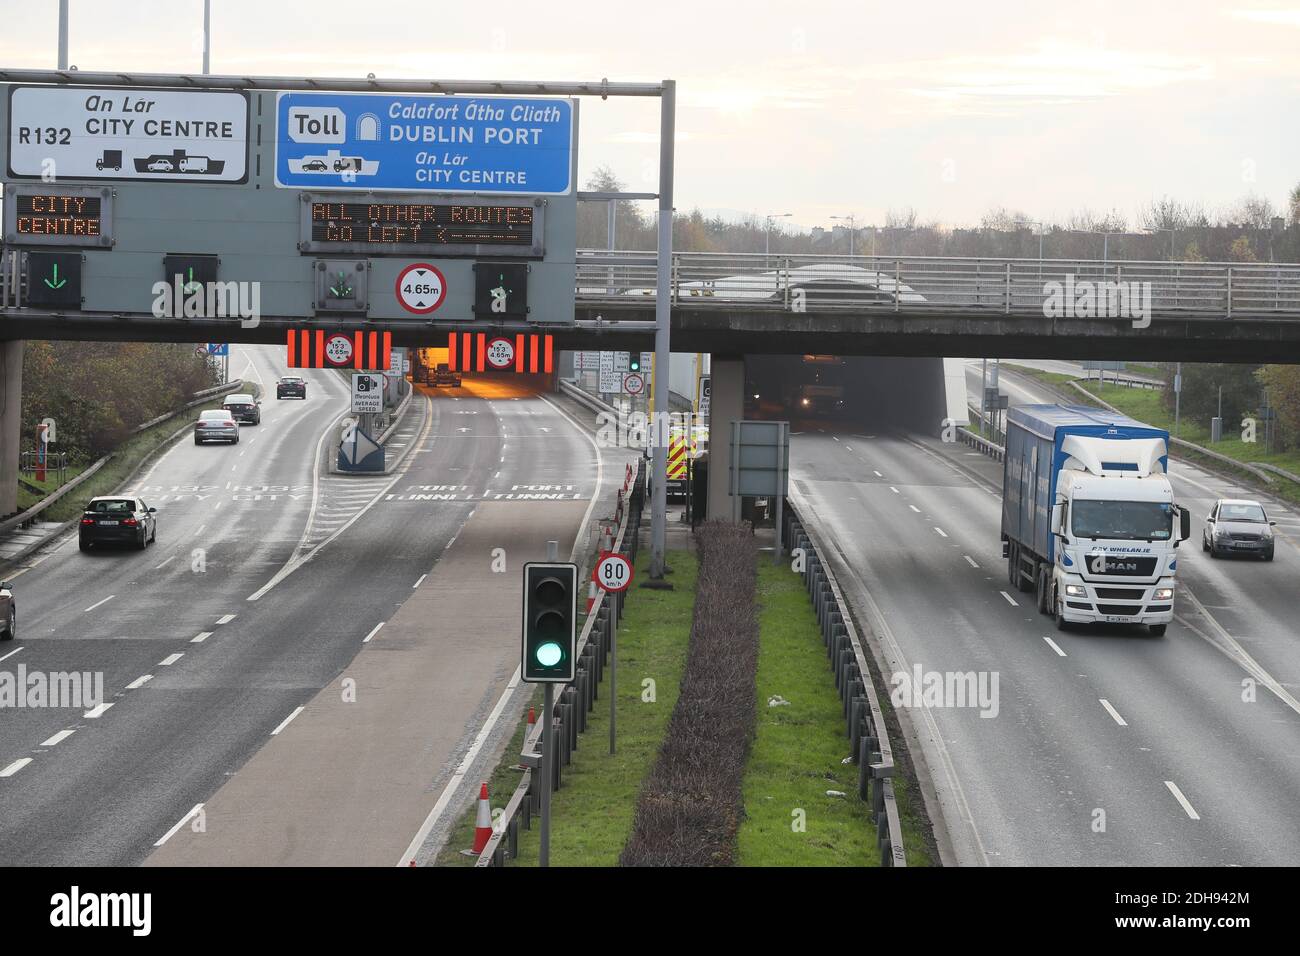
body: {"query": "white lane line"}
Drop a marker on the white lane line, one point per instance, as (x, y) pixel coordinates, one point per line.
(58, 738)
(971, 561)
(139, 682)
(217, 506)
(98, 711)
(199, 530)
(915, 508)
(1054, 646)
(419, 581)
(10, 654)
(836, 437)
(941, 532)
(180, 823)
(1010, 599)
(14, 767)
(1178, 795)
(169, 660)
(165, 563)
(285, 723)
(98, 603)
(201, 637)
(373, 632)
(893, 489)
(452, 541)
(877, 474)
(1113, 712)
(225, 619)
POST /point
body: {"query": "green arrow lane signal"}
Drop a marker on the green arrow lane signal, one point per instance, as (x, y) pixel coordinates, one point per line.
(190, 284)
(57, 283)
(341, 290)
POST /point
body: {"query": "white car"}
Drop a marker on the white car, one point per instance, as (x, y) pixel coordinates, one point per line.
(1238, 526)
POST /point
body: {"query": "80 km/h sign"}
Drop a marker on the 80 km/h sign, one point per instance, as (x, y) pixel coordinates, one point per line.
(613, 572)
(421, 288)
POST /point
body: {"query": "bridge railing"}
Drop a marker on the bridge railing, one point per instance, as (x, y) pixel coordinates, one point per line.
(1074, 287)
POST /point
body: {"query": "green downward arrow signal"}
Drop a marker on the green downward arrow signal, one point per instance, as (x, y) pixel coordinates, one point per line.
(56, 283)
(342, 290)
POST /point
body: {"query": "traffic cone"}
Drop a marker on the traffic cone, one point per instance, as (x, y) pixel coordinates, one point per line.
(591, 596)
(483, 821)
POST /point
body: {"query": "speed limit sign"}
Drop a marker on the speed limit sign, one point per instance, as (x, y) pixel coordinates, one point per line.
(613, 572)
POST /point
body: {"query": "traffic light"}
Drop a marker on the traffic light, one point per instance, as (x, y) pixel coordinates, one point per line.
(634, 363)
(550, 622)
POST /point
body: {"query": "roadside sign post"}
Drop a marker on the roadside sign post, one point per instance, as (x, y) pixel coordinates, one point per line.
(612, 574)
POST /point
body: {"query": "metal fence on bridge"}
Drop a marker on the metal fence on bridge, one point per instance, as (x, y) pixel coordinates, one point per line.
(916, 283)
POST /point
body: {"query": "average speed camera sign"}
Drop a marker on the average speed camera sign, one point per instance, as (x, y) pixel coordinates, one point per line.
(421, 288)
(501, 353)
(613, 572)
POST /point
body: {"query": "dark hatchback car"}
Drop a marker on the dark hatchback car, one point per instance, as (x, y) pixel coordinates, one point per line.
(8, 613)
(117, 520)
(290, 386)
(244, 409)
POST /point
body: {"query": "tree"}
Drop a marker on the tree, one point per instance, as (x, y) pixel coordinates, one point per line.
(1283, 384)
(1293, 217)
(1253, 211)
(632, 228)
(1200, 397)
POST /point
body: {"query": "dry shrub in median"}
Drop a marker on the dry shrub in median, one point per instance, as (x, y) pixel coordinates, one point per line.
(690, 805)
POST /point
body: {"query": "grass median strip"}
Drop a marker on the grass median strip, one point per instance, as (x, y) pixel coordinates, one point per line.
(591, 813)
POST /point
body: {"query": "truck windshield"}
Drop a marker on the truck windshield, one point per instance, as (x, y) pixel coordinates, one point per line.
(1128, 520)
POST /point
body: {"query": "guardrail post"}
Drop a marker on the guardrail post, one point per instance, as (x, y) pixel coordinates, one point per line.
(1007, 294)
(1229, 291)
(898, 278)
(785, 282)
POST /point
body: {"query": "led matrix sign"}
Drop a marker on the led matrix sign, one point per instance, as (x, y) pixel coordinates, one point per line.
(442, 227)
(58, 216)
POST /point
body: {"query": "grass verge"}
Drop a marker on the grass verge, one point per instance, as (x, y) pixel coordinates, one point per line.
(591, 813)
(799, 749)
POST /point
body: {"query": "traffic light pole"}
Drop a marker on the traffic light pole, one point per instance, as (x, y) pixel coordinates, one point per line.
(548, 775)
(663, 325)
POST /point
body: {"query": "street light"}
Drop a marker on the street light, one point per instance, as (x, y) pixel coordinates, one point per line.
(767, 235)
(850, 220)
(1172, 231)
(1034, 222)
(1105, 240)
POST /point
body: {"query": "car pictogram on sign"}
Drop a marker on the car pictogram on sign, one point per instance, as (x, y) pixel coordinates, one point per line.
(421, 287)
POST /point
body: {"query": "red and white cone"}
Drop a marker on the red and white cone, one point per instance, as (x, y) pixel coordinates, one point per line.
(591, 596)
(483, 821)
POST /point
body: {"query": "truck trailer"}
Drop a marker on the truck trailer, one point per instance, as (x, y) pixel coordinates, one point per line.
(1089, 522)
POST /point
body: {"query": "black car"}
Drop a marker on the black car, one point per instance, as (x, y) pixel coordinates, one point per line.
(444, 375)
(244, 409)
(116, 520)
(290, 386)
(8, 613)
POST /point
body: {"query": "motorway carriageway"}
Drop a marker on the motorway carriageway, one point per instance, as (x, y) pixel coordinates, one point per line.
(304, 577)
(1109, 746)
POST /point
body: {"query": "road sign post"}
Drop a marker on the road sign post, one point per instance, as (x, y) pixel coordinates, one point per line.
(613, 573)
(663, 326)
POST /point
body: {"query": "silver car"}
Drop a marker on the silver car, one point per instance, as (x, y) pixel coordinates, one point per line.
(1238, 526)
(216, 424)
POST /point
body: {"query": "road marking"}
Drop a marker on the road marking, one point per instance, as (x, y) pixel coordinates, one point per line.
(915, 508)
(971, 561)
(877, 474)
(98, 711)
(1113, 712)
(893, 489)
(225, 619)
(1054, 646)
(373, 632)
(836, 437)
(1010, 599)
(941, 532)
(199, 530)
(139, 682)
(14, 767)
(98, 603)
(58, 738)
(1178, 795)
(165, 563)
(198, 807)
(10, 654)
(453, 540)
(285, 723)
(419, 581)
(169, 660)
(200, 638)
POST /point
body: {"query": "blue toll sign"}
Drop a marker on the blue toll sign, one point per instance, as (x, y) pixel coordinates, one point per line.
(450, 144)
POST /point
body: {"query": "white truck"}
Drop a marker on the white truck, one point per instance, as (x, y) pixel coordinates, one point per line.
(1089, 521)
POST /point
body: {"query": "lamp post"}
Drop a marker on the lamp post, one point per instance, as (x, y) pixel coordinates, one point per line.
(1105, 240)
(1039, 224)
(1172, 231)
(767, 233)
(850, 220)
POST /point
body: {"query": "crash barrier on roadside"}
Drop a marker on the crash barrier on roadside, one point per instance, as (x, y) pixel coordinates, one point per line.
(868, 736)
(992, 449)
(575, 700)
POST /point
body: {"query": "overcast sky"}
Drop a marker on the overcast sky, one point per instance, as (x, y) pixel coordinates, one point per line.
(814, 108)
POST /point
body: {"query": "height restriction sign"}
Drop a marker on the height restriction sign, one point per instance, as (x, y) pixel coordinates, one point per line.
(421, 288)
(613, 572)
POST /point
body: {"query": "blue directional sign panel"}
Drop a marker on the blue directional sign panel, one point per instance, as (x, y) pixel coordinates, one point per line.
(419, 143)
(219, 349)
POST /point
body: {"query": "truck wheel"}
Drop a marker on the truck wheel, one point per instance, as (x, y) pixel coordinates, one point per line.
(1157, 630)
(1012, 558)
(1061, 623)
(1044, 590)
